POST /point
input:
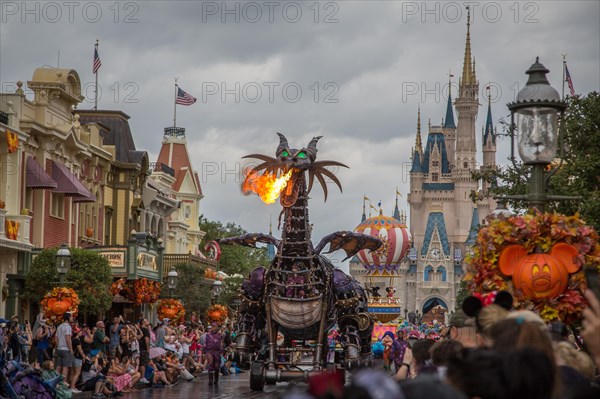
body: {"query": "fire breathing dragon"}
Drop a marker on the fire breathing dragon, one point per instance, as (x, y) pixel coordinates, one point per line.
(301, 294)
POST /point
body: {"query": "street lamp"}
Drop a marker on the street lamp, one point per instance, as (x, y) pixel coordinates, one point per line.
(172, 277)
(536, 112)
(63, 262)
(216, 289)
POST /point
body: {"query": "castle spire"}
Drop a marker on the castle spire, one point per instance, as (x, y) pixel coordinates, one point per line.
(418, 143)
(449, 120)
(467, 71)
(473, 74)
(489, 124)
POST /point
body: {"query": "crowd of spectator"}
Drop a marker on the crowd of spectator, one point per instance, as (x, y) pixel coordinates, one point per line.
(110, 359)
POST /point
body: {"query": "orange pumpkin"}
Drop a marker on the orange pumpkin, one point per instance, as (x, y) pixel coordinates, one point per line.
(539, 275)
(89, 232)
(59, 308)
(170, 312)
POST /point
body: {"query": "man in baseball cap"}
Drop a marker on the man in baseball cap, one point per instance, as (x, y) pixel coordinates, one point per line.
(462, 328)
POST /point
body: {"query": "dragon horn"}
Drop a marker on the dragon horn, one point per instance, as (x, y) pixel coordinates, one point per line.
(312, 147)
(283, 143)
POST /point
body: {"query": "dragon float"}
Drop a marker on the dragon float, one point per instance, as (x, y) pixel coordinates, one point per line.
(301, 295)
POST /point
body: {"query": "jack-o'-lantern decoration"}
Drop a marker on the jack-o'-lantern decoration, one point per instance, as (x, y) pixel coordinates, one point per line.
(539, 258)
(539, 275)
(59, 301)
(217, 313)
(171, 309)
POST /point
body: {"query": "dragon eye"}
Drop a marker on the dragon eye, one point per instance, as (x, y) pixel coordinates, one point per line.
(301, 154)
(284, 153)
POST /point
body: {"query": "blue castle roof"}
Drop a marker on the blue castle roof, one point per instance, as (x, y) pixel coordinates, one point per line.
(435, 140)
(449, 120)
(436, 221)
(473, 229)
(489, 127)
(416, 163)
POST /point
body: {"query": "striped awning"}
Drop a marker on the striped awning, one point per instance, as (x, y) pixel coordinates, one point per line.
(36, 177)
(69, 184)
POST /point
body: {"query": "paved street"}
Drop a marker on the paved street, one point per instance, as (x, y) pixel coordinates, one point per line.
(233, 386)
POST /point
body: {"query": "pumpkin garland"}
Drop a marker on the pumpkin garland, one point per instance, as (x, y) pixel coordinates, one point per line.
(217, 313)
(539, 258)
(59, 301)
(138, 291)
(171, 309)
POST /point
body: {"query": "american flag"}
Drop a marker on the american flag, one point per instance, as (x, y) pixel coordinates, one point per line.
(97, 63)
(569, 80)
(184, 98)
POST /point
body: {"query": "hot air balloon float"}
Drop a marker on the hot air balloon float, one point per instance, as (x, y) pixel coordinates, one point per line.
(383, 264)
(301, 295)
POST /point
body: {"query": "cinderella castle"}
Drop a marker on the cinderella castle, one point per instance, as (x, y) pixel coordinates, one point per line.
(446, 205)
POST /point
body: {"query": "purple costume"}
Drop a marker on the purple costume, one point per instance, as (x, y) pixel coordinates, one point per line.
(397, 352)
(213, 349)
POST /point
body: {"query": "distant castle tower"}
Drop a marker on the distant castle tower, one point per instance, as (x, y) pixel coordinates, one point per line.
(443, 215)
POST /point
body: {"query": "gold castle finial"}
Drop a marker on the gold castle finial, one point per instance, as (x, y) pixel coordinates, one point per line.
(467, 77)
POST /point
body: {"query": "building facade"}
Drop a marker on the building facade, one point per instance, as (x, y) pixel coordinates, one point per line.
(174, 170)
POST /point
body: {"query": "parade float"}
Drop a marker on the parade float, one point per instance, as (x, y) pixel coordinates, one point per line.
(539, 258)
(383, 264)
(300, 294)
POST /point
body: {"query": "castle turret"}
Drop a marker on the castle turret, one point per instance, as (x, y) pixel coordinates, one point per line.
(489, 137)
(416, 170)
(449, 127)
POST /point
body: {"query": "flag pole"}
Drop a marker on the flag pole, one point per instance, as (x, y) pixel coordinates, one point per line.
(175, 105)
(96, 86)
(564, 75)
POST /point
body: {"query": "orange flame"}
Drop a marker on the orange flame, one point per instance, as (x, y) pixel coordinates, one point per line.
(268, 186)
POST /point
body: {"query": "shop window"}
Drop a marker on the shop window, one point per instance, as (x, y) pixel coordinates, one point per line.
(57, 205)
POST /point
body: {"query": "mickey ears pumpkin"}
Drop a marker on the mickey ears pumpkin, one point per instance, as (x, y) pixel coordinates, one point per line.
(473, 305)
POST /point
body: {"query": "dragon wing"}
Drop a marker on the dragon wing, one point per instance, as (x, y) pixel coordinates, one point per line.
(250, 240)
(350, 242)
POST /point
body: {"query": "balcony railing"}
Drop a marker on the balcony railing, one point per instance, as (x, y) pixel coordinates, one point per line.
(15, 229)
(436, 284)
(170, 260)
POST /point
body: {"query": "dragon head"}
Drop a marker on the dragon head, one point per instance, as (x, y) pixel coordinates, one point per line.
(283, 176)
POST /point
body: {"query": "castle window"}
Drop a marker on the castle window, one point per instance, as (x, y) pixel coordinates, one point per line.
(466, 165)
(434, 177)
(435, 164)
(427, 273)
(442, 271)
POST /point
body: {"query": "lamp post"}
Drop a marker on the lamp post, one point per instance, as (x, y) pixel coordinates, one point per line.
(216, 290)
(536, 111)
(63, 262)
(172, 277)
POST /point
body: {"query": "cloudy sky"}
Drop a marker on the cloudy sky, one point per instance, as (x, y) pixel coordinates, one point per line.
(351, 71)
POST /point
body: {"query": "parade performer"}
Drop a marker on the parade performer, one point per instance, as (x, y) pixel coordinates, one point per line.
(397, 351)
(213, 349)
(387, 341)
